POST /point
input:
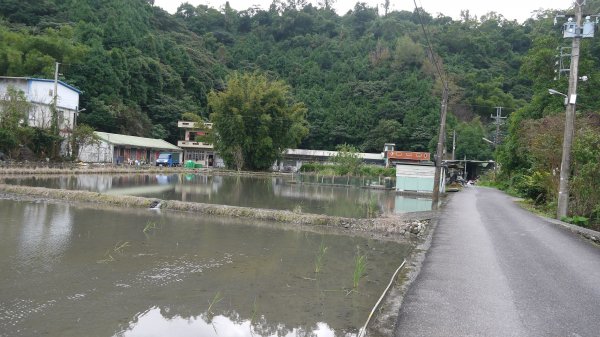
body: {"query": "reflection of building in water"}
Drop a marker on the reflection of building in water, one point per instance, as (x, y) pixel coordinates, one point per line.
(406, 204)
(191, 185)
(45, 234)
(96, 182)
(305, 192)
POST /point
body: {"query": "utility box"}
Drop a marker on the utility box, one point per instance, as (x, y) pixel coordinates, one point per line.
(570, 29)
(588, 27)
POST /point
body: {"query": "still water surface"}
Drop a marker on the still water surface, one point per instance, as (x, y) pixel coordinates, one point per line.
(78, 271)
(259, 192)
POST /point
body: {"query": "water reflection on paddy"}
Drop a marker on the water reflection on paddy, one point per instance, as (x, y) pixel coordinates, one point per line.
(282, 193)
(79, 271)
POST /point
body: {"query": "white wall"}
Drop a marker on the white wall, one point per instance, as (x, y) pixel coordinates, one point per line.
(40, 94)
(100, 153)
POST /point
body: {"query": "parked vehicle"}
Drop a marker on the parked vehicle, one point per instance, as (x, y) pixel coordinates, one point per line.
(168, 159)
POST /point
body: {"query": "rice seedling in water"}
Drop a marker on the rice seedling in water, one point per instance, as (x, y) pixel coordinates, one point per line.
(254, 311)
(320, 257)
(120, 246)
(107, 258)
(360, 265)
(214, 301)
(372, 207)
(150, 225)
(297, 209)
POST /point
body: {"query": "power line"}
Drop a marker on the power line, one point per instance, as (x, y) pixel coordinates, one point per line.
(429, 46)
(444, 109)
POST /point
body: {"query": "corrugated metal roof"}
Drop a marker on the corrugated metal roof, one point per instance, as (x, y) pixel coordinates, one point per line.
(42, 80)
(137, 142)
(324, 153)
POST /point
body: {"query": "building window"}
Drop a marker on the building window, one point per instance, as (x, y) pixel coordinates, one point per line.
(194, 155)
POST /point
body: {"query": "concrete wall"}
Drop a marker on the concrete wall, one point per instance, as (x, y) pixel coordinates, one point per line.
(101, 153)
(414, 178)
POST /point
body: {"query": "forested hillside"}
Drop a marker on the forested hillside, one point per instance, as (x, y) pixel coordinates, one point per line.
(364, 76)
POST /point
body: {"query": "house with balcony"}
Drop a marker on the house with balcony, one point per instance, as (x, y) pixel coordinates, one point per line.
(40, 94)
(196, 146)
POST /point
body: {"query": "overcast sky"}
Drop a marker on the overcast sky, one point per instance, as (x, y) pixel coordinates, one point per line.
(510, 9)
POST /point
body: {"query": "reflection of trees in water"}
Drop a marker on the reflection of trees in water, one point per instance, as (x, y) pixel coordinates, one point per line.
(242, 326)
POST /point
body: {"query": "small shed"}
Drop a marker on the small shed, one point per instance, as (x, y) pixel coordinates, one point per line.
(118, 149)
(416, 178)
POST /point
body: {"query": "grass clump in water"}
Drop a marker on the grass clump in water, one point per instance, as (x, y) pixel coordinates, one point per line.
(372, 207)
(118, 248)
(150, 225)
(360, 265)
(319, 259)
(218, 298)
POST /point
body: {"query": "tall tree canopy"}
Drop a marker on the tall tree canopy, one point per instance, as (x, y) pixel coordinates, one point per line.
(255, 120)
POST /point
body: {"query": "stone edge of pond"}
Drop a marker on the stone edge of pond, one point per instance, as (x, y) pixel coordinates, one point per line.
(409, 225)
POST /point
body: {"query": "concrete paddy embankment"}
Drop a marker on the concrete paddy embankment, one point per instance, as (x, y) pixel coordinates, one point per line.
(407, 225)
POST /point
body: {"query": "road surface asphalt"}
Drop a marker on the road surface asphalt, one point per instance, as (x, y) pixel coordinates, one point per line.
(495, 269)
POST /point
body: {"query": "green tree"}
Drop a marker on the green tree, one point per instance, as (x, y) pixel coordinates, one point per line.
(349, 160)
(14, 113)
(256, 119)
(83, 135)
(469, 141)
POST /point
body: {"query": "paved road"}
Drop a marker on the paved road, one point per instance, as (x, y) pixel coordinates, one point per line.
(494, 269)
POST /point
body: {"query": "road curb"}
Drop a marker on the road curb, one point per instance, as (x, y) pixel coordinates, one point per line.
(586, 233)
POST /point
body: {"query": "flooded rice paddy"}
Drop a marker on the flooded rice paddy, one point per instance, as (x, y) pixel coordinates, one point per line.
(281, 193)
(79, 271)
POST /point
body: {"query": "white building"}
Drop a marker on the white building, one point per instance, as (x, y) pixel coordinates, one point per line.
(194, 146)
(123, 149)
(40, 93)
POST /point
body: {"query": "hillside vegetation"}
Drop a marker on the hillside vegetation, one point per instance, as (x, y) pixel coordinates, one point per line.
(365, 77)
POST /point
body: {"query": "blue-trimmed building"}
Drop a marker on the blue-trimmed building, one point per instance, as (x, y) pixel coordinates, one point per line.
(40, 93)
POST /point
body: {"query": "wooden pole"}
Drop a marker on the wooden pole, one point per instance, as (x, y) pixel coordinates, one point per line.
(565, 165)
(440, 149)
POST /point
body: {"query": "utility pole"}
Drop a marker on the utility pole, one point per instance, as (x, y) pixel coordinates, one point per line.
(55, 101)
(54, 111)
(565, 166)
(498, 119)
(440, 149)
(453, 143)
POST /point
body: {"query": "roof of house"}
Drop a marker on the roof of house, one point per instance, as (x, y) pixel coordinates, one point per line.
(41, 80)
(329, 154)
(137, 142)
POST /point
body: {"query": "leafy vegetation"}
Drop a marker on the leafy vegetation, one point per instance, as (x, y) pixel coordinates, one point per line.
(364, 78)
(255, 120)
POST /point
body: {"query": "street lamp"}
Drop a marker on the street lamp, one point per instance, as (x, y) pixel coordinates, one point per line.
(488, 141)
(554, 92)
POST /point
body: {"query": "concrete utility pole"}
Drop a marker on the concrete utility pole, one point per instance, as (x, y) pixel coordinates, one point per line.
(55, 101)
(453, 143)
(498, 119)
(54, 111)
(440, 149)
(565, 166)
